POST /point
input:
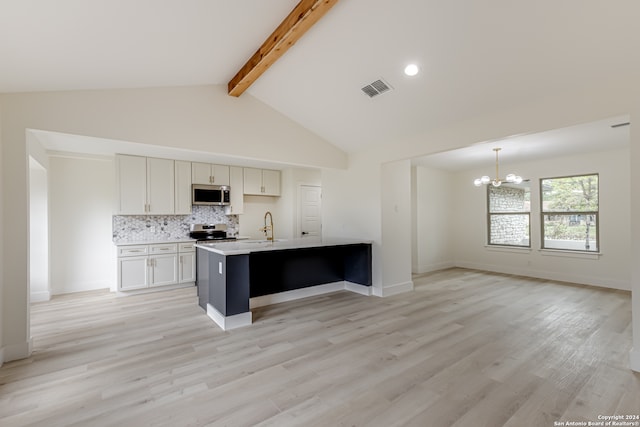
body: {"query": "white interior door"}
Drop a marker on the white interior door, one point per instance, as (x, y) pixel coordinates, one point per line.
(309, 211)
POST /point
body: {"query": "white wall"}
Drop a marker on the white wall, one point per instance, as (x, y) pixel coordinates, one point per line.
(82, 255)
(252, 219)
(351, 206)
(432, 211)
(396, 227)
(38, 232)
(196, 118)
(292, 179)
(611, 269)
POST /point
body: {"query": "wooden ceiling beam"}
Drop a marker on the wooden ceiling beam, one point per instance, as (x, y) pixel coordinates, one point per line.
(298, 22)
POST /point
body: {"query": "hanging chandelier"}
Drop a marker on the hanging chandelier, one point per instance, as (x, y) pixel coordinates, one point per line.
(497, 181)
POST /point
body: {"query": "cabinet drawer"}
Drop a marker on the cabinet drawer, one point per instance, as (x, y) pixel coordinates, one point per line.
(186, 247)
(164, 248)
(138, 250)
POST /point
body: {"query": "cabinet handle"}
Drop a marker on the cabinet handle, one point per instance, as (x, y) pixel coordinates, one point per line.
(181, 262)
(135, 250)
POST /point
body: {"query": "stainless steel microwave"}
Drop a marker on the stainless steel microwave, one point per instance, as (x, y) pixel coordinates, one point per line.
(210, 195)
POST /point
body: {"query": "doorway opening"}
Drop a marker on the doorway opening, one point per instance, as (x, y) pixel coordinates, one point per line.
(39, 286)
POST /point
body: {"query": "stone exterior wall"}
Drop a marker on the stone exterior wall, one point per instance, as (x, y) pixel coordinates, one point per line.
(508, 229)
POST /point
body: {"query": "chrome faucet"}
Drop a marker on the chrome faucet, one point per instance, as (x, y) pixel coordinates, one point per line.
(269, 227)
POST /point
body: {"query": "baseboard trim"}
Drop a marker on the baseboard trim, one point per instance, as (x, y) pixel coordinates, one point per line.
(227, 323)
(125, 293)
(357, 288)
(549, 275)
(295, 294)
(310, 291)
(634, 360)
(12, 352)
(40, 296)
(428, 268)
(395, 289)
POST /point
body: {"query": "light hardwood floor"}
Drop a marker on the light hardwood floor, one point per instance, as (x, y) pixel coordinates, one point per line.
(466, 348)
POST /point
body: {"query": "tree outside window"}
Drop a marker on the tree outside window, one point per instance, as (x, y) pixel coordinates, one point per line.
(508, 214)
(570, 213)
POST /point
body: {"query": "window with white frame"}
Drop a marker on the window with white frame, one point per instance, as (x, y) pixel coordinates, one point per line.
(569, 210)
(508, 214)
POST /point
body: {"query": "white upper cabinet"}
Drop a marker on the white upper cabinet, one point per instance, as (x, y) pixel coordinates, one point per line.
(208, 174)
(182, 187)
(160, 186)
(145, 185)
(271, 182)
(262, 182)
(151, 186)
(131, 175)
(252, 181)
(200, 173)
(236, 179)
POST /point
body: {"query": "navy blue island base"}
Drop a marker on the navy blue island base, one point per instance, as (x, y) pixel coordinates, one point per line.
(229, 274)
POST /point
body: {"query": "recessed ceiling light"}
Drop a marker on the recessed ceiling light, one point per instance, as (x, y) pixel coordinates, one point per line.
(411, 70)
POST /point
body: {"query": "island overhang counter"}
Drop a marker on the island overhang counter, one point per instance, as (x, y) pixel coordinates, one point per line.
(233, 277)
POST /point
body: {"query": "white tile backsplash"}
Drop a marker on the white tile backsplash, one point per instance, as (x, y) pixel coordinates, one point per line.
(133, 228)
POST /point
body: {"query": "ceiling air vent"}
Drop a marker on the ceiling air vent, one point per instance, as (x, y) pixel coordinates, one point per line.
(376, 88)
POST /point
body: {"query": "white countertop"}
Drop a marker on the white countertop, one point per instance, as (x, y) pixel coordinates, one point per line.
(249, 246)
(153, 242)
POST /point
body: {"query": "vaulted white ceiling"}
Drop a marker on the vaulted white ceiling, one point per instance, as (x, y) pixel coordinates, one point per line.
(474, 56)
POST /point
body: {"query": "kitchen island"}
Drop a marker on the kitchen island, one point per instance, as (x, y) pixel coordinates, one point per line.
(234, 277)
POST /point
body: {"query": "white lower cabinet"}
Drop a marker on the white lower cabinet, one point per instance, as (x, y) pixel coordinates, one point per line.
(133, 273)
(186, 263)
(164, 269)
(155, 265)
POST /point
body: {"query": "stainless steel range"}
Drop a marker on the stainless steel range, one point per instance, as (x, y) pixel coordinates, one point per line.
(209, 232)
